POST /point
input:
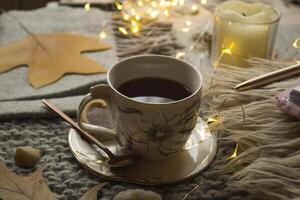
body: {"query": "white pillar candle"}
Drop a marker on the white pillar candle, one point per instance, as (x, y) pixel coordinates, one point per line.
(243, 30)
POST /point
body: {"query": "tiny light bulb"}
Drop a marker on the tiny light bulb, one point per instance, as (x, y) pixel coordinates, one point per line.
(162, 2)
(153, 4)
(154, 13)
(168, 3)
(135, 29)
(102, 35)
(134, 23)
(188, 22)
(203, 2)
(123, 30)
(211, 120)
(194, 7)
(118, 6)
(227, 51)
(167, 13)
(126, 17)
(180, 55)
(87, 6)
(140, 3)
(174, 2)
(181, 2)
(137, 17)
(185, 29)
(235, 152)
(133, 12)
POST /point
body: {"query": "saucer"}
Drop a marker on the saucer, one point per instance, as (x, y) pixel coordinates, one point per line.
(197, 154)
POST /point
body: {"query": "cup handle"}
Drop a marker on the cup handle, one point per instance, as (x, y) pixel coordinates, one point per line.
(98, 93)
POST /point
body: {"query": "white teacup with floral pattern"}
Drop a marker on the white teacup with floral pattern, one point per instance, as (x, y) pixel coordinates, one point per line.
(154, 131)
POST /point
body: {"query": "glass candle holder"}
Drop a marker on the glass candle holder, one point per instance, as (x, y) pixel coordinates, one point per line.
(242, 31)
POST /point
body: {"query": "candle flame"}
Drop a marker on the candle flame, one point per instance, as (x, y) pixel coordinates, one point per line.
(87, 7)
(180, 55)
(234, 153)
(123, 30)
(102, 35)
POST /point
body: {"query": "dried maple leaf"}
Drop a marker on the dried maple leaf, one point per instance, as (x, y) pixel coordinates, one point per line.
(50, 56)
(92, 193)
(14, 187)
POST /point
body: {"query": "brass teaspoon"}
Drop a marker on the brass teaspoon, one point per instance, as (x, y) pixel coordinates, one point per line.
(114, 160)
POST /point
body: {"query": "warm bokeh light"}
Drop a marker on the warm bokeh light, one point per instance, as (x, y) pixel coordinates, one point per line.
(140, 3)
(102, 34)
(188, 22)
(135, 29)
(180, 55)
(296, 43)
(167, 13)
(118, 5)
(185, 29)
(227, 51)
(211, 120)
(234, 153)
(194, 8)
(126, 17)
(203, 2)
(123, 30)
(145, 11)
(87, 7)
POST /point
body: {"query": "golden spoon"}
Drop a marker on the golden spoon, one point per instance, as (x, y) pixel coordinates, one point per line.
(114, 160)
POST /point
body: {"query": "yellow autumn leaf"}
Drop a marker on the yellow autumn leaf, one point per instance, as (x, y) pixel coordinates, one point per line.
(14, 187)
(50, 56)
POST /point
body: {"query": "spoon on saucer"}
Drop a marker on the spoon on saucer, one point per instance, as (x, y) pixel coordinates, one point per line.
(113, 160)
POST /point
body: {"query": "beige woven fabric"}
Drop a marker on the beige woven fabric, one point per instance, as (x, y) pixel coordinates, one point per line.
(268, 160)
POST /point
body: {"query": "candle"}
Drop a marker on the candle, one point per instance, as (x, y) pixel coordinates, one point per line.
(242, 31)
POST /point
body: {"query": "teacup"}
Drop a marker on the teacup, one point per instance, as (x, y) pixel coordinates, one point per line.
(154, 131)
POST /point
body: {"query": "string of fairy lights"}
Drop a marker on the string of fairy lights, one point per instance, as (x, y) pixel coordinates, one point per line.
(137, 13)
